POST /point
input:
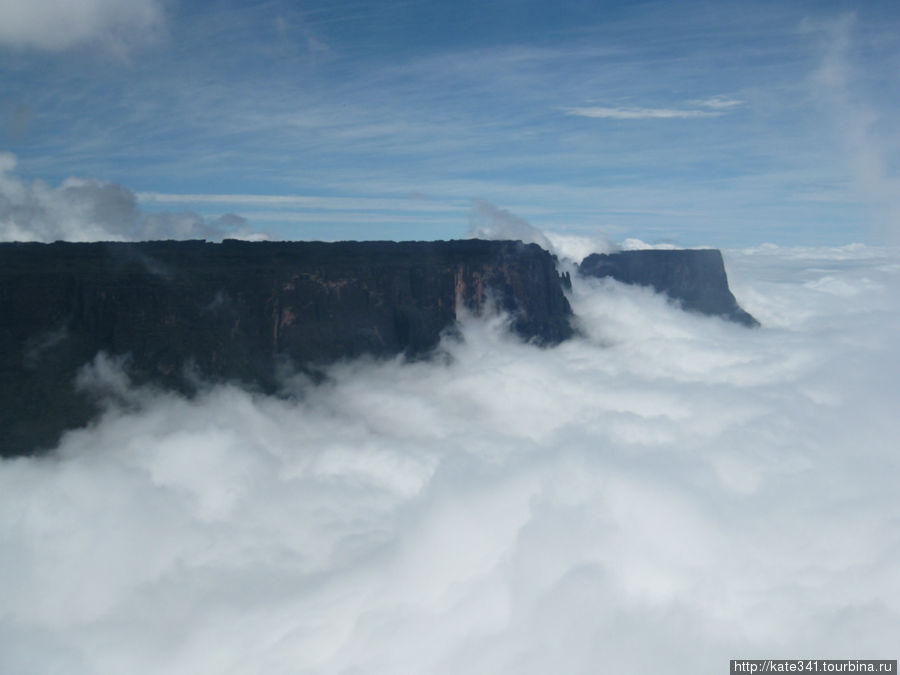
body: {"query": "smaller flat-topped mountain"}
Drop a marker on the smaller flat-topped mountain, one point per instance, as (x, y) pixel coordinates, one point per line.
(693, 277)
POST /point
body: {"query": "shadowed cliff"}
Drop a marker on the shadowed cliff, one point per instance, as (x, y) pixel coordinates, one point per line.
(239, 310)
(693, 277)
(180, 312)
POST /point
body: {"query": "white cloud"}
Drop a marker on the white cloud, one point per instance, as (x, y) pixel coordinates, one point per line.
(635, 244)
(578, 247)
(865, 138)
(57, 25)
(713, 106)
(91, 210)
(662, 482)
(718, 102)
(618, 113)
(76, 210)
(487, 221)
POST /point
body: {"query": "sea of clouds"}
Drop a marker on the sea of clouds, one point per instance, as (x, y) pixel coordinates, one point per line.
(661, 494)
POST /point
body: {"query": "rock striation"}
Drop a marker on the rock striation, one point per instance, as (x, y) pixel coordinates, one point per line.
(695, 278)
(238, 311)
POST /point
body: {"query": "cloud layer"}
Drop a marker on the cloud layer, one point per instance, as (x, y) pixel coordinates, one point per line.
(666, 492)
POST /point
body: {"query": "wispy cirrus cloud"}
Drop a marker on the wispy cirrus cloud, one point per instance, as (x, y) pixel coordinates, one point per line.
(718, 102)
(708, 107)
(263, 109)
(300, 201)
(617, 113)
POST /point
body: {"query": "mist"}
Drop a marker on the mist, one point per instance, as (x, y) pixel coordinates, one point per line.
(666, 491)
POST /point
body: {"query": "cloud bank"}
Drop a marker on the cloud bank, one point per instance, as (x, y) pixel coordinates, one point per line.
(90, 210)
(53, 25)
(665, 493)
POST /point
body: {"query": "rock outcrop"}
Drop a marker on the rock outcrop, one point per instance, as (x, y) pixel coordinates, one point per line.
(237, 311)
(695, 278)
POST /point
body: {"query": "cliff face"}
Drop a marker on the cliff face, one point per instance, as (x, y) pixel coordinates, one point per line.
(694, 277)
(236, 310)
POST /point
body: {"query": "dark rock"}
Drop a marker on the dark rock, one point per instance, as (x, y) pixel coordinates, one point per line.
(693, 277)
(238, 310)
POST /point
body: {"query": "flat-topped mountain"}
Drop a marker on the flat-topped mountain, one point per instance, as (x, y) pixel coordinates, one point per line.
(693, 277)
(238, 310)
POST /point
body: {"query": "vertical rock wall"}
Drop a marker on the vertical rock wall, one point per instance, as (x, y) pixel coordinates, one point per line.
(236, 310)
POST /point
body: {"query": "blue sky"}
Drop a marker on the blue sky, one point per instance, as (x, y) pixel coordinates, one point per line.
(696, 123)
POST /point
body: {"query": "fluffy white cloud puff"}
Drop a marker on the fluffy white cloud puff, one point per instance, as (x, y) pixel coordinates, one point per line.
(90, 210)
